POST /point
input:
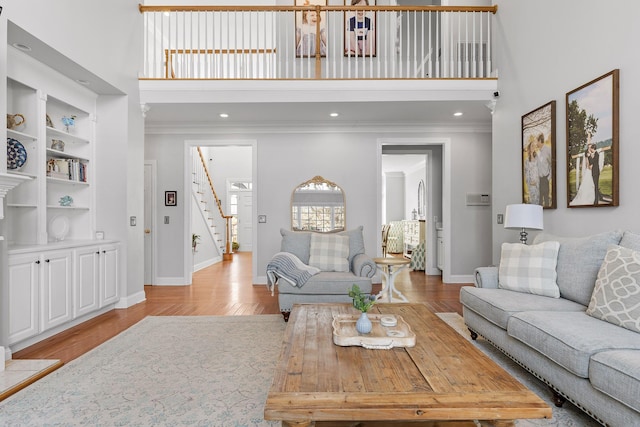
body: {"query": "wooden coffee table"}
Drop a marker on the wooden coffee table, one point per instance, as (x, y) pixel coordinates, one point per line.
(444, 380)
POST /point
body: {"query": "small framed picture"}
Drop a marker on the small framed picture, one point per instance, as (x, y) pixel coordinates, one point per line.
(170, 198)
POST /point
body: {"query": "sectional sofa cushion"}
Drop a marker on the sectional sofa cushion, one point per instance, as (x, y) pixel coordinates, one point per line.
(329, 252)
(579, 260)
(616, 296)
(530, 269)
(330, 283)
(297, 243)
(356, 241)
(570, 338)
(617, 373)
(497, 305)
(630, 240)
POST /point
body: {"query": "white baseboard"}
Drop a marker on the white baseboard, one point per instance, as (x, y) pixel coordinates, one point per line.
(206, 263)
(170, 281)
(130, 300)
(460, 278)
(260, 280)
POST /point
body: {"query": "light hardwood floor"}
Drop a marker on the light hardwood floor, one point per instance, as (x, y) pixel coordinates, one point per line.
(222, 289)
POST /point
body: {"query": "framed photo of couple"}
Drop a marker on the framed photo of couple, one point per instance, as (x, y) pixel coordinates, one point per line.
(592, 143)
(539, 156)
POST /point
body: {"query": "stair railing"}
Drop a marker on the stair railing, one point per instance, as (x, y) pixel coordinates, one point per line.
(206, 177)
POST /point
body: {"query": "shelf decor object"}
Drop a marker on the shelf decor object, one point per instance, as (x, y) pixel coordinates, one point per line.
(523, 216)
(68, 122)
(59, 227)
(16, 154)
(66, 201)
(15, 120)
(57, 144)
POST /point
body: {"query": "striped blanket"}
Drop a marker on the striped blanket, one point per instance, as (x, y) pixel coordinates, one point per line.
(288, 267)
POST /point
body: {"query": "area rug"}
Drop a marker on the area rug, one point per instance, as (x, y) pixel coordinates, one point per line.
(190, 371)
(163, 371)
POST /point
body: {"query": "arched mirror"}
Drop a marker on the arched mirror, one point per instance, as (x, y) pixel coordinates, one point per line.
(422, 207)
(318, 205)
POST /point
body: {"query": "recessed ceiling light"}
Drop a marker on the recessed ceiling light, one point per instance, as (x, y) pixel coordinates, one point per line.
(457, 113)
(22, 47)
(224, 115)
(334, 114)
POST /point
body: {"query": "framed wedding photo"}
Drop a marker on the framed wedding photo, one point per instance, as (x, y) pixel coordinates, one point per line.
(360, 29)
(307, 24)
(171, 198)
(539, 156)
(592, 143)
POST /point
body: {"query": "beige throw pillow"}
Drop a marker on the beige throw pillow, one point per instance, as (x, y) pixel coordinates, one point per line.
(329, 252)
(616, 296)
(530, 269)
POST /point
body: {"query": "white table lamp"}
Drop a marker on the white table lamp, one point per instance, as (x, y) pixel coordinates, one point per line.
(523, 217)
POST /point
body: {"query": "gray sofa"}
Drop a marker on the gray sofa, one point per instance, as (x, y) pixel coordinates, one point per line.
(325, 286)
(593, 363)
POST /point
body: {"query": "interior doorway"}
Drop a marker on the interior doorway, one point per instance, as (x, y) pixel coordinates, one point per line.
(437, 191)
(149, 221)
(227, 160)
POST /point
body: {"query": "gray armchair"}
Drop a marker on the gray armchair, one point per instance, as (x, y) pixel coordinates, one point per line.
(325, 286)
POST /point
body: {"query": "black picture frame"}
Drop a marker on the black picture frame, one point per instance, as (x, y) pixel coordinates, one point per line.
(171, 198)
(539, 156)
(593, 120)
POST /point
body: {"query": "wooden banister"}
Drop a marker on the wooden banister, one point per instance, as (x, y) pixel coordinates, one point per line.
(227, 218)
(142, 8)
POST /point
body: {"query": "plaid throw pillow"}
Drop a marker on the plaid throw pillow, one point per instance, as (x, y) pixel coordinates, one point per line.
(329, 252)
(529, 269)
(616, 296)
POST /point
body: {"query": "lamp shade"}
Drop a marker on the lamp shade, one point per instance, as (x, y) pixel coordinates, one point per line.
(523, 216)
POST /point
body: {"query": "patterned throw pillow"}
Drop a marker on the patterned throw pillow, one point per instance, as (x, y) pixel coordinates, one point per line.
(616, 296)
(530, 269)
(329, 252)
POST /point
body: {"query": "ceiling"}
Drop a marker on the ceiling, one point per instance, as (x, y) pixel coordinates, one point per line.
(475, 113)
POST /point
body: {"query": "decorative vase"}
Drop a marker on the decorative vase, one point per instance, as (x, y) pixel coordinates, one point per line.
(363, 325)
(57, 144)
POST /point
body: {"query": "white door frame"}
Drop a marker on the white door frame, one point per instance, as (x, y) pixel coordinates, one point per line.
(446, 193)
(154, 252)
(188, 145)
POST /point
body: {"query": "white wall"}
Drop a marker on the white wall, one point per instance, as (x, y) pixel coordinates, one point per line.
(105, 39)
(288, 158)
(543, 50)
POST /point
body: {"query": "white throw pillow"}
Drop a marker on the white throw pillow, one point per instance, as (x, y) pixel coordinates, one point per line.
(329, 252)
(616, 296)
(530, 269)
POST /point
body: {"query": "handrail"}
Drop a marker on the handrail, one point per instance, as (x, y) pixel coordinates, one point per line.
(205, 42)
(227, 218)
(142, 8)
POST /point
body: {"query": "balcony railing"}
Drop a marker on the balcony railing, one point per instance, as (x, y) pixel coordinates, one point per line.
(279, 42)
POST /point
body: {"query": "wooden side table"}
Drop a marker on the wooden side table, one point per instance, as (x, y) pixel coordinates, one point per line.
(390, 267)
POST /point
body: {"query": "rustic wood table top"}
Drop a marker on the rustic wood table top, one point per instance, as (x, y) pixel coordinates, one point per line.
(443, 380)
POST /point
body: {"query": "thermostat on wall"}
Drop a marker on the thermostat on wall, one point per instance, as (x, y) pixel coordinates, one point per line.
(475, 199)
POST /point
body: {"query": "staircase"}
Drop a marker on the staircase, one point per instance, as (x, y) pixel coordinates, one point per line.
(210, 205)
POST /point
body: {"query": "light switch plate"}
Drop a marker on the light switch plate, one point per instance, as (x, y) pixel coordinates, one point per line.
(132, 221)
(262, 219)
(500, 219)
